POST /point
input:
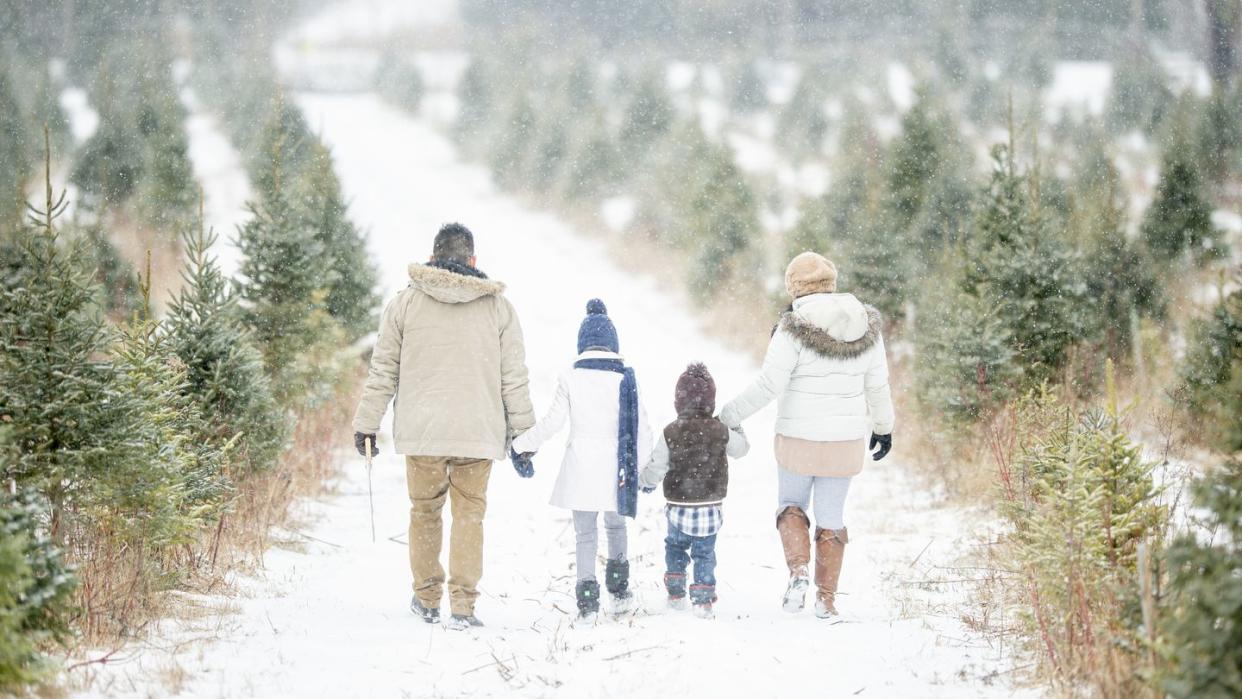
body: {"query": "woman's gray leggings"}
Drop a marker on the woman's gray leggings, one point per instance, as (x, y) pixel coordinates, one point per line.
(587, 538)
(795, 490)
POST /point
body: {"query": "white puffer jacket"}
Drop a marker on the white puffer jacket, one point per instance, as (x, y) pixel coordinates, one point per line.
(590, 400)
(827, 369)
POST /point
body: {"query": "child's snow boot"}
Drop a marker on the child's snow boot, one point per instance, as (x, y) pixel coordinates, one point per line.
(795, 530)
(675, 583)
(588, 602)
(703, 597)
(431, 616)
(617, 580)
(829, 553)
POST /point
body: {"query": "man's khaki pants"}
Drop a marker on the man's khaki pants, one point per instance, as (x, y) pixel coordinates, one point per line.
(430, 479)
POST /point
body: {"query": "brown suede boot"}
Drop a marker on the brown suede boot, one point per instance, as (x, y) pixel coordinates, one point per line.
(795, 530)
(829, 553)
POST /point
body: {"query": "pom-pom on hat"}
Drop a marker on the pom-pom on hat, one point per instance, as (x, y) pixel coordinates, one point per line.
(696, 391)
(597, 330)
(810, 273)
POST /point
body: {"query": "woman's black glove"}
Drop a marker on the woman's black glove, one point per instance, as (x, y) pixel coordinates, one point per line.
(360, 440)
(522, 463)
(885, 441)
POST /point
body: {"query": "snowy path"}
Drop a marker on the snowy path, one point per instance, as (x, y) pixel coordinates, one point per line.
(331, 620)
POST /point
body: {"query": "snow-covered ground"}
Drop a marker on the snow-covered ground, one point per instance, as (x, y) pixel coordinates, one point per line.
(331, 619)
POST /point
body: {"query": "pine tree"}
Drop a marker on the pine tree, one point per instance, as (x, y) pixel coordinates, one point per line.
(1179, 220)
(1027, 272)
(352, 275)
(512, 144)
(282, 292)
(15, 152)
(475, 103)
(594, 165)
(648, 117)
(35, 590)
(803, 124)
(285, 148)
(964, 359)
(1199, 624)
(224, 371)
(750, 92)
(723, 217)
(551, 153)
(1121, 282)
(1211, 373)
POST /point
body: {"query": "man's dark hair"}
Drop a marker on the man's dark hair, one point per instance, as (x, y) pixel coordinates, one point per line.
(454, 242)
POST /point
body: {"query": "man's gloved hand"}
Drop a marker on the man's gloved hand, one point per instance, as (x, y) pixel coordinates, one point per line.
(360, 439)
(885, 442)
(522, 463)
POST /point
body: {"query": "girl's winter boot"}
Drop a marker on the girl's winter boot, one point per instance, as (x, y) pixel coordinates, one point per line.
(703, 597)
(675, 583)
(617, 580)
(588, 601)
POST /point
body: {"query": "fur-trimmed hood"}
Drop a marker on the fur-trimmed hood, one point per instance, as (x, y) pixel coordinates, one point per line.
(835, 326)
(448, 286)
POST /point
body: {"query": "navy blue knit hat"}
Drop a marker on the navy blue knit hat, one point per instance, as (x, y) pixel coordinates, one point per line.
(597, 330)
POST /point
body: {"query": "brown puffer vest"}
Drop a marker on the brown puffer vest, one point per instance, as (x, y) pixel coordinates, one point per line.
(698, 465)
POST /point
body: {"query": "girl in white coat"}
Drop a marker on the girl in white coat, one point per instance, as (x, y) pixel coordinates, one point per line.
(827, 370)
(609, 444)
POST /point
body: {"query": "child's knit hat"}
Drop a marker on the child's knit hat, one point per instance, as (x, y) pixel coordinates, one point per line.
(696, 391)
(597, 330)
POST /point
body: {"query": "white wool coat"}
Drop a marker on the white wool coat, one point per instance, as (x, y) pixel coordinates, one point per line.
(590, 401)
(827, 370)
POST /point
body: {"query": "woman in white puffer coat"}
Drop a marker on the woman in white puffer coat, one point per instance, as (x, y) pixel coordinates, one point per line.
(826, 368)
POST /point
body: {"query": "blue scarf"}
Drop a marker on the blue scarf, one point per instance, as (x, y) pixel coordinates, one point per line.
(627, 434)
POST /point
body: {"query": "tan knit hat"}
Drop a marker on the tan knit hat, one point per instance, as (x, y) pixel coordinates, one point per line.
(810, 273)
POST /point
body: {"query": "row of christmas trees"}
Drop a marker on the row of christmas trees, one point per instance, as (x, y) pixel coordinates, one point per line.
(1017, 295)
(127, 440)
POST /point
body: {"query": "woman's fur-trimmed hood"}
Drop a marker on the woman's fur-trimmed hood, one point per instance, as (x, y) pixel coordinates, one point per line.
(451, 287)
(834, 326)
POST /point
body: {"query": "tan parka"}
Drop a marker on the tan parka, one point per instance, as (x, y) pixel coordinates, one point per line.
(450, 356)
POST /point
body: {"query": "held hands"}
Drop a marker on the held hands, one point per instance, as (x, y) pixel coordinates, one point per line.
(360, 440)
(885, 442)
(522, 463)
(648, 489)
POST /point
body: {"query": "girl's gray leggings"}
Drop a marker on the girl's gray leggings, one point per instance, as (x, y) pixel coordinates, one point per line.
(587, 537)
(795, 490)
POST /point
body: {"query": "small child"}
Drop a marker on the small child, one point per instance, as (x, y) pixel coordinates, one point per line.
(608, 430)
(694, 452)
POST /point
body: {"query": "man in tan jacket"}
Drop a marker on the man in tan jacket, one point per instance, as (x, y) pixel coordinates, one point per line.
(450, 352)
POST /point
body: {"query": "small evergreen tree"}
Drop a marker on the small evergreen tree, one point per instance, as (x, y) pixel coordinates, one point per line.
(648, 117)
(750, 92)
(35, 591)
(224, 371)
(551, 153)
(1211, 373)
(803, 124)
(1120, 277)
(282, 292)
(1200, 619)
(1179, 219)
(1027, 272)
(723, 218)
(594, 165)
(15, 151)
(475, 103)
(511, 146)
(286, 147)
(352, 275)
